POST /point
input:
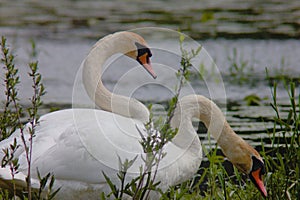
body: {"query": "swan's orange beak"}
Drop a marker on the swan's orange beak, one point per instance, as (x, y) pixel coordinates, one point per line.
(256, 178)
(145, 61)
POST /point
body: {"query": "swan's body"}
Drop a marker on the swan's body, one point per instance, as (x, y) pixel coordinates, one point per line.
(72, 152)
(76, 145)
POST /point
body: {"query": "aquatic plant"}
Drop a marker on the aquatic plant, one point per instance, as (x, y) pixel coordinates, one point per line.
(10, 120)
(240, 70)
(252, 100)
(283, 159)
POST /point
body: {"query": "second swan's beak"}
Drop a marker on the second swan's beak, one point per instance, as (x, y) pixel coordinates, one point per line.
(145, 61)
(256, 173)
(255, 177)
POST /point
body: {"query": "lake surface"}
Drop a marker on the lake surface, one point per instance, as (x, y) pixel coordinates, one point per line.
(264, 35)
(254, 35)
(60, 62)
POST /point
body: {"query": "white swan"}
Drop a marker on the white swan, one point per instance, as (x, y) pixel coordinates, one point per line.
(78, 144)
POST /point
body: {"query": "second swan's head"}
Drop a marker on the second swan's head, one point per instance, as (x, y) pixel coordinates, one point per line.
(250, 162)
(139, 50)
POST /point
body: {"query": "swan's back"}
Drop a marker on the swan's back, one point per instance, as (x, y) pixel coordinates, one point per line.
(76, 145)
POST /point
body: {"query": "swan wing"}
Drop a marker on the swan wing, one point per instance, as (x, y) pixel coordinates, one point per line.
(78, 144)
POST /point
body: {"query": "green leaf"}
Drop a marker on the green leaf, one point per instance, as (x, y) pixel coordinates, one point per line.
(113, 188)
(181, 38)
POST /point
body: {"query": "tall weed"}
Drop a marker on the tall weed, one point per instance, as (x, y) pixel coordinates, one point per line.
(10, 121)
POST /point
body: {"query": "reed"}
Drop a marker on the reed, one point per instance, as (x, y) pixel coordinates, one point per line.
(10, 120)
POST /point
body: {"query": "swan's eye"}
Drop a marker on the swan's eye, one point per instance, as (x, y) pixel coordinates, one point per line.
(143, 51)
(143, 58)
(258, 164)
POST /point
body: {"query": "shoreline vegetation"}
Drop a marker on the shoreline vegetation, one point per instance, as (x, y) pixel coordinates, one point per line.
(217, 179)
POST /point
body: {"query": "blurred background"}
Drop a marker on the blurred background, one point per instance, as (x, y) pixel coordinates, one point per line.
(200, 19)
(243, 37)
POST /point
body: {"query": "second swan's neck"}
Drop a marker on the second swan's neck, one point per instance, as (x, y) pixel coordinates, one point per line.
(196, 106)
(92, 72)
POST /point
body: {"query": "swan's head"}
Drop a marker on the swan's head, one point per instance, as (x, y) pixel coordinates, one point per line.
(256, 173)
(252, 164)
(138, 49)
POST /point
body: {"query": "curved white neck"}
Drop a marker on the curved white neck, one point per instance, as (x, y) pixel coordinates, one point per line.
(92, 72)
(196, 106)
